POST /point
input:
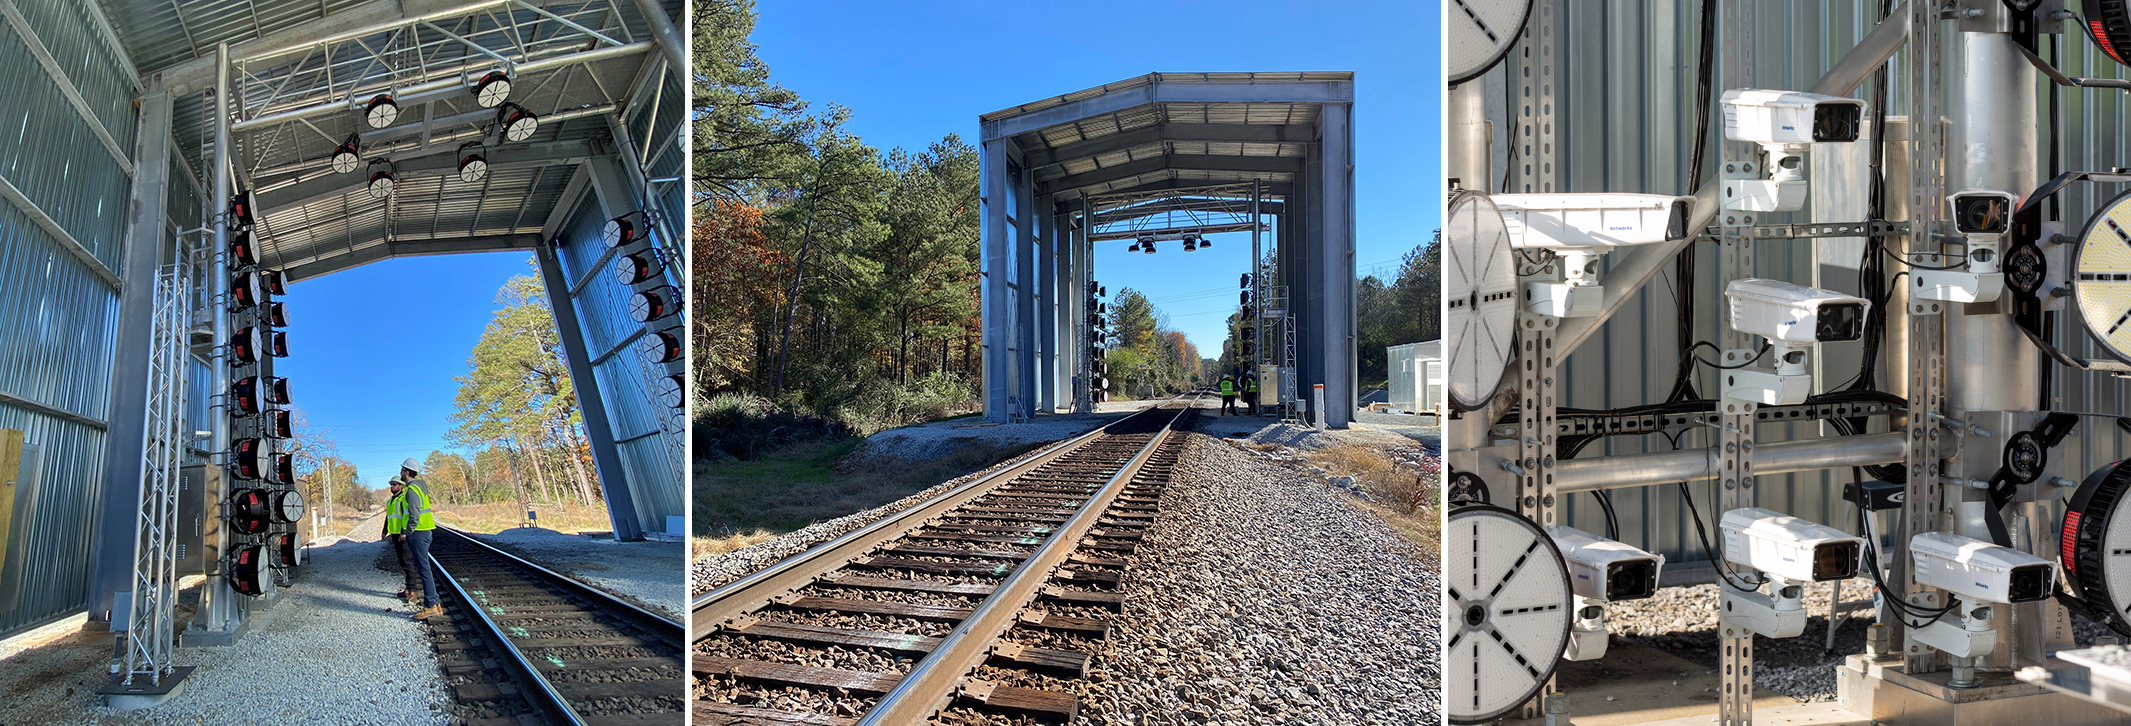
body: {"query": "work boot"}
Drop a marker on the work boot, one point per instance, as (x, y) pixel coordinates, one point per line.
(429, 612)
(411, 598)
(401, 594)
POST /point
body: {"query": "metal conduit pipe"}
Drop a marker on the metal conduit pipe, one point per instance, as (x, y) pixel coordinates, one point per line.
(1630, 270)
(1665, 467)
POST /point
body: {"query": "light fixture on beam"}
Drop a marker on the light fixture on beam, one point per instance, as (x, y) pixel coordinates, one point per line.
(348, 156)
(659, 346)
(381, 181)
(244, 291)
(493, 89)
(652, 305)
(636, 267)
(473, 165)
(381, 111)
(242, 253)
(282, 548)
(621, 230)
(244, 346)
(246, 458)
(277, 315)
(515, 123)
(276, 425)
(274, 282)
(673, 390)
(240, 209)
(247, 569)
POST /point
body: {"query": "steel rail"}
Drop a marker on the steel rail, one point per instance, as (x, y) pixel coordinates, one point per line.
(747, 594)
(547, 698)
(933, 682)
(665, 628)
(543, 693)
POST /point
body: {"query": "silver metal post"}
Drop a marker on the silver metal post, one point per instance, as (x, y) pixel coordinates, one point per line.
(217, 599)
(1471, 138)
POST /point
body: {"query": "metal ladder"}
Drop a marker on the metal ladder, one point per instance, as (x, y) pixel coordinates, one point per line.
(150, 627)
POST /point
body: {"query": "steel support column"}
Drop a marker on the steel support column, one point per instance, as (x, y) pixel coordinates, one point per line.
(217, 614)
(994, 244)
(1335, 205)
(599, 430)
(1024, 290)
(1047, 307)
(126, 441)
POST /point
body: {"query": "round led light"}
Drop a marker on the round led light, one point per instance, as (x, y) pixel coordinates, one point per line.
(649, 305)
(276, 425)
(345, 161)
(1479, 32)
(244, 458)
(2095, 545)
(274, 282)
(247, 568)
(277, 315)
(1480, 291)
(283, 546)
(246, 345)
(381, 111)
(634, 268)
(288, 506)
(242, 253)
(2101, 276)
(493, 90)
(517, 123)
(1509, 612)
(472, 168)
(244, 291)
(617, 232)
(381, 185)
(2109, 24)
(251, 511)
(673, 391)
(659, 346)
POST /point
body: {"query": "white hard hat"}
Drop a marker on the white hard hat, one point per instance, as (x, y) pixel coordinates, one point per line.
(395, 482)
(411, 465)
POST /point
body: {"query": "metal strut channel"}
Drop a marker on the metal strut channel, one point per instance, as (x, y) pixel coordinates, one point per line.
(933, 682)
(1927, 370)
(1735, 438)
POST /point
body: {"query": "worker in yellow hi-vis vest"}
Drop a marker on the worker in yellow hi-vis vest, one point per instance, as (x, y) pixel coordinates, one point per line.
(396, 536)
(421, 527)
(1228, 395)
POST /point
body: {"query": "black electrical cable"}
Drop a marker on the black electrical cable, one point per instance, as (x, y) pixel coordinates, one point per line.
(1605, 502)
(1765, 346)
(1895, 601)
(1683, 264)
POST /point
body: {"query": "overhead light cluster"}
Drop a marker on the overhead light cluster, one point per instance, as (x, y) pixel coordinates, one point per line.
(1192, 242)
(492, 90)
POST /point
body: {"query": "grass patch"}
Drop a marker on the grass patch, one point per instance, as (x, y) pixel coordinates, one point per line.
(797, 485)
(1409, 503)
(494, 517)
(701, 547)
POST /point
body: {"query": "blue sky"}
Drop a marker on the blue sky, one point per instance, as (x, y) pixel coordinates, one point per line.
(912, 77)
(372, 350)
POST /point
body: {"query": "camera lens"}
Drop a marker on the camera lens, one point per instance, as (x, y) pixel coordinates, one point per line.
(1978, 214)
(1835, 122)
(1840, 322)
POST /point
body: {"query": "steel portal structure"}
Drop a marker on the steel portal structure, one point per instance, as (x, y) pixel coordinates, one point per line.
(115, 162)
(1053, 170)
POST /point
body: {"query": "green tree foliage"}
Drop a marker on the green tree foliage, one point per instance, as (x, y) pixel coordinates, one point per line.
(1145, 356)
(832, 279)
(517, 395)
(1406, 309)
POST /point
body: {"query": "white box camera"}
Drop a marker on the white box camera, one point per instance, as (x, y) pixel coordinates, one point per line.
(1787, 313)
(1594, 222)
(1790, 118)
(1789, 548)
(1981, 571)
(1603, 569)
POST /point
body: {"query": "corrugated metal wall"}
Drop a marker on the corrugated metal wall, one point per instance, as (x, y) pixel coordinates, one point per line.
(603, 310)
(1626, 124)
(57, 316)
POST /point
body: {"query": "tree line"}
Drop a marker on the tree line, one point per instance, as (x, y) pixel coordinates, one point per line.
(829, 277)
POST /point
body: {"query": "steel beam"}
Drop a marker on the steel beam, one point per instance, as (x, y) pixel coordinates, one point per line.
(1127, 170)
(1025, 290)
(390, 249)
(125, 443)
(410, 92)
(599, 429)
(1047, 308)
(1266, 91)
(1298, 133)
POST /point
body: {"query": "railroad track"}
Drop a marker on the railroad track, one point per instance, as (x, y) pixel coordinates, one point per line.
(985, 601)
(526, 645)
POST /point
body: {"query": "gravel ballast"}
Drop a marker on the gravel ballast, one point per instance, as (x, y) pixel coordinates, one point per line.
(328, 652)
(1262, 596)
(642, 572)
